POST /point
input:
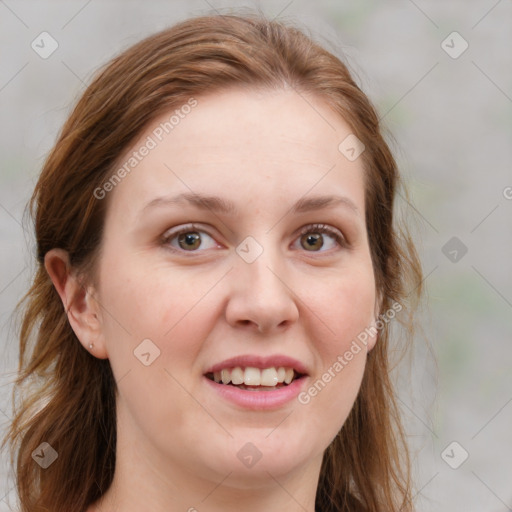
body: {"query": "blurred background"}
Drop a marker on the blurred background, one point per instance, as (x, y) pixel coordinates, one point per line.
(440, 75)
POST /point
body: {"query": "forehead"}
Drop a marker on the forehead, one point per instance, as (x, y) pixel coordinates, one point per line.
(271, 122)
(249, 145)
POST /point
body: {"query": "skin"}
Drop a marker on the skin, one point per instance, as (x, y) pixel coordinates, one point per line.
(177, 439)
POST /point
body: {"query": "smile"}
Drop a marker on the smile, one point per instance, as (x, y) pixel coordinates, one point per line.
(255, 379)
(257, 382)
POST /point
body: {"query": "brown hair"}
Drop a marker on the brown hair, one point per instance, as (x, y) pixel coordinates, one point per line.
(68, 396)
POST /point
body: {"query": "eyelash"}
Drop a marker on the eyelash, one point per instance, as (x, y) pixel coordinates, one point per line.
(311, 228)
(323, 228)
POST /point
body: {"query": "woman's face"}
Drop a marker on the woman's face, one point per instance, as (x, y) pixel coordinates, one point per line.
(253, 286)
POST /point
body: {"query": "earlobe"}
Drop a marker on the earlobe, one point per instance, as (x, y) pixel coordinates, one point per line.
(82, 309)
(372, 340)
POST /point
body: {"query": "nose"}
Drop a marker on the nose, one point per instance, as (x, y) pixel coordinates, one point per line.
(261, 297)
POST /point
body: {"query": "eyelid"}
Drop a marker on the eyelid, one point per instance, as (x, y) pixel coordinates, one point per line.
(335, 233)
(185, 228)
(327, 229)
(182, 228)
(321, 228)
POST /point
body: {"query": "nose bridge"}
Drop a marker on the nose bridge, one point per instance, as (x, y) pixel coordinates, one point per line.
(260, 272)
(260, 294)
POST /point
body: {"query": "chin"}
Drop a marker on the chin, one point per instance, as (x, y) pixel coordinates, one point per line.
(262, 473)
(259, 458)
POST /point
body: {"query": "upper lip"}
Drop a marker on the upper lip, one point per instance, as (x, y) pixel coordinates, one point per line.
(260, 362)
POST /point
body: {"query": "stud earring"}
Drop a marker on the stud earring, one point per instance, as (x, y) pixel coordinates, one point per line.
(91, 345)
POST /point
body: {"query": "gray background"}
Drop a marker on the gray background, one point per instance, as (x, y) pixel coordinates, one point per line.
(451, 119)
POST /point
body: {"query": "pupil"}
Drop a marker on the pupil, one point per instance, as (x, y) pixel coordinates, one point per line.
(314, 239)
(190, 239)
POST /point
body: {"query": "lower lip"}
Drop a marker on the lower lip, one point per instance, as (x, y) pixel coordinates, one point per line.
(258, 400)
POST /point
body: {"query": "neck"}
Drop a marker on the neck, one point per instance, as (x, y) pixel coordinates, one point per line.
(129, 493)
(146, 479)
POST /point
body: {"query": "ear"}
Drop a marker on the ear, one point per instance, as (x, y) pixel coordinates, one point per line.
(83, 311)
(372, 340)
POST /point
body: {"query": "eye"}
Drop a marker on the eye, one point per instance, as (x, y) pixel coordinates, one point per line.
(189, 238)
(312, 238)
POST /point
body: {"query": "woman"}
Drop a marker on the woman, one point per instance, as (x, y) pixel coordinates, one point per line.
(219, 268)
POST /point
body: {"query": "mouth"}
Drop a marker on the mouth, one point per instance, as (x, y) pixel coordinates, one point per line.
(250, 378)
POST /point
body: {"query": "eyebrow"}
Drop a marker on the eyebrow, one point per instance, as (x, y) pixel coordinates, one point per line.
(220, 205)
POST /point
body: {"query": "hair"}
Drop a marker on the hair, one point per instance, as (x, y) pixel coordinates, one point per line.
(67, 396)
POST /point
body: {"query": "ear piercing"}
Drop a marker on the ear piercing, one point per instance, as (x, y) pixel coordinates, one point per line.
(91, 345)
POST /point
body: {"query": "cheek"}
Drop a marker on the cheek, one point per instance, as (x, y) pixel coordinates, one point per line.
(172, 311)
(346, 307)
(344, 310)
(162, 305)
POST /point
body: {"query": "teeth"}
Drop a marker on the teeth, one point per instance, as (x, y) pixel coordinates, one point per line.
(252, 376)
(237, 376)
(225, 376)
(268, 377)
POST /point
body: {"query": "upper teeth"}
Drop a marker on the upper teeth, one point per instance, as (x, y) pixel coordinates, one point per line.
(254, 376)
